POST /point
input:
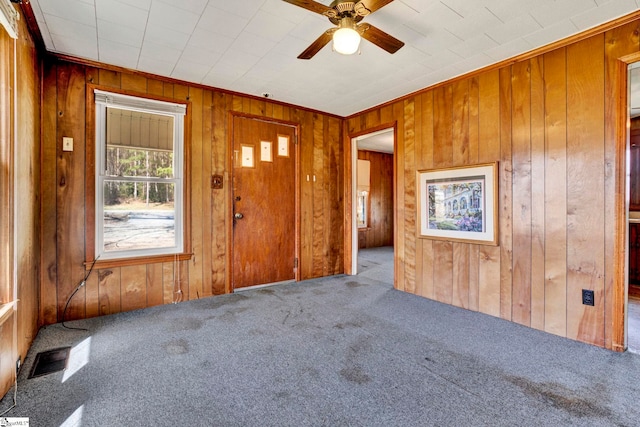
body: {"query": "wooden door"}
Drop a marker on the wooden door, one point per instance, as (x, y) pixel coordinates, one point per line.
(263, 202)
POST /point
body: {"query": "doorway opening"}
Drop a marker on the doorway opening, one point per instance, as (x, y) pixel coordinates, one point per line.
(633, 209)
(373, 206)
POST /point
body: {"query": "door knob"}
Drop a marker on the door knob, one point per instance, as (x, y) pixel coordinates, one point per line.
(238, 215)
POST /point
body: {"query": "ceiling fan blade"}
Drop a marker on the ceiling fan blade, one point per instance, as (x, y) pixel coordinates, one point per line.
(380, 38)
(374, 5)
(316, 45)
(311, 5)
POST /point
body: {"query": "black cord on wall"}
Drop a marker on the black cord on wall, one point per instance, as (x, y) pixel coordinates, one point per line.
(80, 285)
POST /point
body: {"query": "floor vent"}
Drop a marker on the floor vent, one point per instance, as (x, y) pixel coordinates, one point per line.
(50, 361)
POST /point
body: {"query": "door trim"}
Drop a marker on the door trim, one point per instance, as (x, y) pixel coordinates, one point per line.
(229, 193)
(619, 332)
(350, 230)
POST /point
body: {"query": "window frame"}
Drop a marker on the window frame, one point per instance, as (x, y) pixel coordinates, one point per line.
(97, 99)
(366, 206)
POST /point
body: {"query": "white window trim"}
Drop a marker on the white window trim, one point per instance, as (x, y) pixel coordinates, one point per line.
(177, 111)
(9, 18)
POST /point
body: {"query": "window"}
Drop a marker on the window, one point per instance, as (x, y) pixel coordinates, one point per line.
(139, 184)
(363, 205)
(364, 185)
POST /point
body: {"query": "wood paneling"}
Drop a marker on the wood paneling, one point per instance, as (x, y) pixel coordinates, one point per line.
(552, 123)
(8, 350)
(142, 284)
(585, 189)
(521, 155)
(380, 228)
(20, 194)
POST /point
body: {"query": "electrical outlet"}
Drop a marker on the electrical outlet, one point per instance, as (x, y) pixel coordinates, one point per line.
(67, 143)
(587, 297)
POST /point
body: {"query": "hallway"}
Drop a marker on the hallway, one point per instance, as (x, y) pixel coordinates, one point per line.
(633, 341)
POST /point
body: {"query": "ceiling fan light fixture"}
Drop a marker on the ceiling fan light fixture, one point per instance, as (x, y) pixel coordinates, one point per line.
(346, 39)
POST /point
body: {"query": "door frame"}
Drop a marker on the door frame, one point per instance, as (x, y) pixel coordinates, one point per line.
(350, 227)
(619, 321)
(229, 190)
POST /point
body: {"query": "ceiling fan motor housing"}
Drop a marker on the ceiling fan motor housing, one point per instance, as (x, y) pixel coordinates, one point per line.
(346, 16)
(346, 9)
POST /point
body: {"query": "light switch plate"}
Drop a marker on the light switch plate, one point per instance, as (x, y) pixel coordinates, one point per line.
(67, 143)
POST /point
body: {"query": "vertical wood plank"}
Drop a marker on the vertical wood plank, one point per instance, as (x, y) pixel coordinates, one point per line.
(154, 284)
(443, 157)
(155, 87)
(258, 107)
(70, 189)
(585, 188)
(219, 198)
(419, 162)
(460, 124)
(181, 92)
(460, 152)
(92, 296)
(521, 184)
(319, 211)
(460, 279)
(489, 279)
(207, 172)
(109, 78)
(183, 277)
(489, 151)
(409, 171)
(133, 82)
(399, 214)
(198, 199)
(169, 282)
(474, 155)
(335, 182)
(133, 287)
(109, 291)
(167, 89)
(426, 162)
(443, 126)
(555, 193)
(505, 196)
(48, 173)
(443, 271)
(305, 139)
(537, 193)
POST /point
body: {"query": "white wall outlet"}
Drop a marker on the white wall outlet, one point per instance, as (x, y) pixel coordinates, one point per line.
(67, 143)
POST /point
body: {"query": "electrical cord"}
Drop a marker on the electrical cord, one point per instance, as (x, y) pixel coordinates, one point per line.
(64, 312)
(80, 285)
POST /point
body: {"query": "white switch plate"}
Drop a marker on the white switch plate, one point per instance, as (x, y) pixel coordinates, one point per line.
(67, 143)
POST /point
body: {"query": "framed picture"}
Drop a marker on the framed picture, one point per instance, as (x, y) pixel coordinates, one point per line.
(459, 204)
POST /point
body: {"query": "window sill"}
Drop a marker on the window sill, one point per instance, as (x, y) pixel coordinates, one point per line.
(124, 262)
(5, 310)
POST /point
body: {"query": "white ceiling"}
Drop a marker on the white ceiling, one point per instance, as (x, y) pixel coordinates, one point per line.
(250, 46)
(381, 141)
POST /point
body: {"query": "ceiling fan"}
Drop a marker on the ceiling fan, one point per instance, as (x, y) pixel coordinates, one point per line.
(346, 15)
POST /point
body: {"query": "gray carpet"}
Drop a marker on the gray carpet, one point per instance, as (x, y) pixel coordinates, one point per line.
(337, 351)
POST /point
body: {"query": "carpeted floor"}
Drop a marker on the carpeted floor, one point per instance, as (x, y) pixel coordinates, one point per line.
(337, 351)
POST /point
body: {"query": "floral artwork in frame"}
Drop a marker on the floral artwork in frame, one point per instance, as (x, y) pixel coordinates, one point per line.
(459, 204)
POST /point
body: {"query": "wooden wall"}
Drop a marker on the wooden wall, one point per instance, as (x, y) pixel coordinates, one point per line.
(112, 290)
(380, 229)
(551, 121)
(19, 199)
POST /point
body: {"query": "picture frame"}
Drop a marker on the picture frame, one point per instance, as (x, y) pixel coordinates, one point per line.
(459, 204)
